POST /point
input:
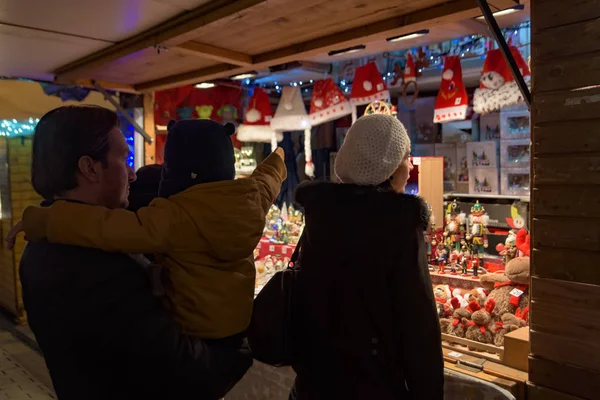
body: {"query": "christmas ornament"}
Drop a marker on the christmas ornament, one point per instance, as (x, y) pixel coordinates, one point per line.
(498, 87)
(397, 74)
(380, 107)
(257, 121)
(409, 77)
(291, 116)
(422, 61)
(367, 87)
(452, 101)
(328, 103)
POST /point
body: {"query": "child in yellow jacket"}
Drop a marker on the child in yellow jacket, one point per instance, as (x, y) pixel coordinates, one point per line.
(203, 227)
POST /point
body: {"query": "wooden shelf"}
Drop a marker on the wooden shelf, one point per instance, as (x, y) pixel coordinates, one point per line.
(450, 196)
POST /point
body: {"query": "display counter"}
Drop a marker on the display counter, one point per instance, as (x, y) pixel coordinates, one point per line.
(466, 377)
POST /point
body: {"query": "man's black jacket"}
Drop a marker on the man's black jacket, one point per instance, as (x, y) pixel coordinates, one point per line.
(105, 336)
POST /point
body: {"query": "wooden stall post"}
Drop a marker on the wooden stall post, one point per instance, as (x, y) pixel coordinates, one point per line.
(565, 311)
(149, 127)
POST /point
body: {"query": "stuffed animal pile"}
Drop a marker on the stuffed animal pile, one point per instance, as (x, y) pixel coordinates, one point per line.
(510, 290)
(487, 314)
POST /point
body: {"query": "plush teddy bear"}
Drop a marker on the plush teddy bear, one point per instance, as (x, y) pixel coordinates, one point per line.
(510, 290)
(479, 327)
(457, 293)
(478, 295)
(510, 322)
(456, 326)
(442, 295)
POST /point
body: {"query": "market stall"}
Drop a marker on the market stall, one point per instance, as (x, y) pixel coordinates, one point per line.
(467, 115)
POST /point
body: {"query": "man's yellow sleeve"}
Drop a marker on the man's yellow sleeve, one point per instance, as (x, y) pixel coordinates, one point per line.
(150, 230)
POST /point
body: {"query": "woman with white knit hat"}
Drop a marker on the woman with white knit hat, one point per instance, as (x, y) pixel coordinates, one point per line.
(365, 319)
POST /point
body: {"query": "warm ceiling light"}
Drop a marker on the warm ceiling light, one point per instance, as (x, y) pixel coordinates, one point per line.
(246, 75)
(205, 85)
(349, 50)
(511, 10)
(409, 36)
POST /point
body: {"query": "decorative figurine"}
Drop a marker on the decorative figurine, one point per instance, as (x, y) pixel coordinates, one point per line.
(480, 160)
(477, 235)
(455, 226)
(508, 250)
(430, 234)
(464, 258)
(475, 265)
(442, 257)
(455, 260)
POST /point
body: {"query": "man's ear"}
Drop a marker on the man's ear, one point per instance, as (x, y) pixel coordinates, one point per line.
(89, 169)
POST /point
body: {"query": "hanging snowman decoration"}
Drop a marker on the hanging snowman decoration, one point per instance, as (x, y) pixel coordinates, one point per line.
(498, 87)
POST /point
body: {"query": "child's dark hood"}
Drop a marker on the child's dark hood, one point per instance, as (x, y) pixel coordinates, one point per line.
(197, 151)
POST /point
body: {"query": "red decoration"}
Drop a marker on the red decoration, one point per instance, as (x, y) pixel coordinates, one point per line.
(368, 85)
(452, 101)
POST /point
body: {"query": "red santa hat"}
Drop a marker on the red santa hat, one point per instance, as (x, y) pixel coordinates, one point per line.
(328, 103)
(368, 86)
(291, 116)
(409, 74)
(452, 100)
(257, 120)
(498, 87)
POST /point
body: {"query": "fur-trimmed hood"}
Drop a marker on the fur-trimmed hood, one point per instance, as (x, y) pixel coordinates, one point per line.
(380, 205)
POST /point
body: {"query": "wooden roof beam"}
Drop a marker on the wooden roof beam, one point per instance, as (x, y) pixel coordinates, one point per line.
(174, 27)
(448, 12)
(199, 75)
(216, 53)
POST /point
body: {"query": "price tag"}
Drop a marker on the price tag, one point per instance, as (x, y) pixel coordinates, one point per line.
(516, 292)
(271, 248)
(454, 354)
(284, 250)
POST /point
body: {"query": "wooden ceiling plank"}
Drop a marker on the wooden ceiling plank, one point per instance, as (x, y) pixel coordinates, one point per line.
(217, 53)
(192, 76)
(272, 12)
(114, 86)
(444, 13)
(201, 16)
(476, 26)
(297, 28)
(448, 12)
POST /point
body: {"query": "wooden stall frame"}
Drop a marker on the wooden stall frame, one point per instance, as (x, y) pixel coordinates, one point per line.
(565, 284)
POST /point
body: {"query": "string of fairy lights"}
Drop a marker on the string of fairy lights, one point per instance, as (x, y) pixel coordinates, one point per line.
(12, 128)
(469, 47)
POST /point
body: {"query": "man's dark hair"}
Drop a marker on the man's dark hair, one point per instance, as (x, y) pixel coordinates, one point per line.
(61, 138)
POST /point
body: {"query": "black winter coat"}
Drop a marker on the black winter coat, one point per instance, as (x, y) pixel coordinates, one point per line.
(104, 336)
(366, 321)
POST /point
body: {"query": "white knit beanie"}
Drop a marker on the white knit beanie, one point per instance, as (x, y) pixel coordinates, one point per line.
(373, 149)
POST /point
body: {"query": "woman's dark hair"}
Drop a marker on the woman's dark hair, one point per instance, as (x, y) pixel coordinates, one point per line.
(61, 138)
